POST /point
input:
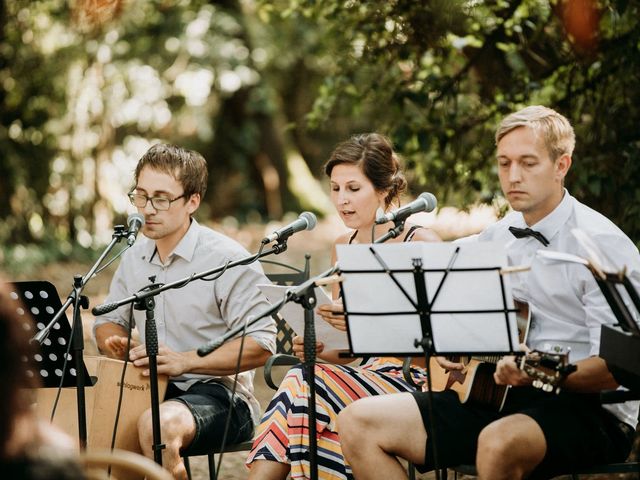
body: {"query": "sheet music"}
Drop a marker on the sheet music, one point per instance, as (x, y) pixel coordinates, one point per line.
(293, 314)
(367, 295)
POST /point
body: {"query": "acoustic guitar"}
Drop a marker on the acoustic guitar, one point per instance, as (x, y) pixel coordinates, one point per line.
(475, 383)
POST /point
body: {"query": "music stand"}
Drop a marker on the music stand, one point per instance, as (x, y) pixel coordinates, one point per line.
(457, 297)
(439, 299)
(41, 301)
(619, 347)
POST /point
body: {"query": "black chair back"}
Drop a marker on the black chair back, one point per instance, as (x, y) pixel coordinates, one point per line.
(286, 275)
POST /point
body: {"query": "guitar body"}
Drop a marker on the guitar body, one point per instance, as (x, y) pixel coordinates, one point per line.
(474, 384)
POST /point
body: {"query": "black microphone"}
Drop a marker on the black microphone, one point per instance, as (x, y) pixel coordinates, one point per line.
(306, 221)
(135, 222)
(426, 202)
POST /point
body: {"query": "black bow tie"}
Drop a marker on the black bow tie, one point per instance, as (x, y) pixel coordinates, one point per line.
(527, 232)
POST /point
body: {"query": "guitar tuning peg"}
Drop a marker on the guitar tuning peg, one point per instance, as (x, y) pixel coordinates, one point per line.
(537, 383)
(547, 388)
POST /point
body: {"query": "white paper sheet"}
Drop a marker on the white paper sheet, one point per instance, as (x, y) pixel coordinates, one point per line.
(293, 314)
(367, 295)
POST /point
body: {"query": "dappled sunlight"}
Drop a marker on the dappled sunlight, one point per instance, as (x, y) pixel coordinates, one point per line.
(451, 223)
(306, 187)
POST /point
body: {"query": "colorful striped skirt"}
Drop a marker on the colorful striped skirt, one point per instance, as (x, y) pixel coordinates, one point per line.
(283, 433)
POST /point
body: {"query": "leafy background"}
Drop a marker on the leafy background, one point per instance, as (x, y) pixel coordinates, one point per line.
(265, 89)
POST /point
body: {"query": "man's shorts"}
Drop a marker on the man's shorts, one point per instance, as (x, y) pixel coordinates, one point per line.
(209, 404)
(578, 431)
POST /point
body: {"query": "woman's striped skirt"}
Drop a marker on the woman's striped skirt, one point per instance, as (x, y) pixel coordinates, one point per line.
(283, 433)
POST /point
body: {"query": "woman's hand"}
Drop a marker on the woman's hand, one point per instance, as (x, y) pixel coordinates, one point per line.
(298, 347)
(333, 314)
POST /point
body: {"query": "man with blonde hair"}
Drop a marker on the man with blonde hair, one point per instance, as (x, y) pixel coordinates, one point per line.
(535, 435)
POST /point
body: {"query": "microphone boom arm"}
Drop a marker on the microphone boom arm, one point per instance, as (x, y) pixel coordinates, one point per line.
(119, 233)
(145, 293)
(294, 293)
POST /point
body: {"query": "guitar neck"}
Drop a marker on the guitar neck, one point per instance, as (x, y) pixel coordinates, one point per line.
(494, 359)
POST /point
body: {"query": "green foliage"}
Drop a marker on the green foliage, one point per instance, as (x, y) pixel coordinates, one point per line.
(82, 96)
(23, 261)
(245, 81)
(440, 75)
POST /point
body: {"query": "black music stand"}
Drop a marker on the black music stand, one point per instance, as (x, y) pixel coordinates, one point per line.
(443, 298)
(417, 304)
(41, 301)
(620, 346)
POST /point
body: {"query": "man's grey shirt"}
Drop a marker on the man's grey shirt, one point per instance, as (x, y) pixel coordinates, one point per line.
(190, 316)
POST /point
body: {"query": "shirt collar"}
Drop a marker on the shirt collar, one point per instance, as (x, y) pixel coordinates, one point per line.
(186, 246)
(550, 225)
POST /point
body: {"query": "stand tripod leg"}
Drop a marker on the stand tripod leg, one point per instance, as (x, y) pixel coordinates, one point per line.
(77, 346)
(310, 374)
(81, 401)
(155, 410)
(151, 342)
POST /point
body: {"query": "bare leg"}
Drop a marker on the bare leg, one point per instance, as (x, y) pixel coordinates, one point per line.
(374, 430)
(269, 470)
(510, 448)
(177, 430)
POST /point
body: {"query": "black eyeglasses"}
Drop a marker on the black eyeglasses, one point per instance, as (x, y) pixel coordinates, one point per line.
(159, 203)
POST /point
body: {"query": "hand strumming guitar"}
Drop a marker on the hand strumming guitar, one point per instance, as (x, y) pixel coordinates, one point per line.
(448, 365)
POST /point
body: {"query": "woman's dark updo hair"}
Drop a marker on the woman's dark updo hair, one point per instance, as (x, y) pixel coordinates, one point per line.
(374, 154)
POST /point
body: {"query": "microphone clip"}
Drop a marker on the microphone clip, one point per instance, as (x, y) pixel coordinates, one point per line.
(119, 232)
(279, 247)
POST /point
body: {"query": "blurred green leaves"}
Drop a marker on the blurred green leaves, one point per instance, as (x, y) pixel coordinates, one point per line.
(438, 76)
(250, 82)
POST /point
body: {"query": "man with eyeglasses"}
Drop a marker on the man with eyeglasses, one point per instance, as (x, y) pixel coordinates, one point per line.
(169, 184)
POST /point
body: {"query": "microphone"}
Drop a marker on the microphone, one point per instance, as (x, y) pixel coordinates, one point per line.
(426, 202)
(306, 221)
(135, 222)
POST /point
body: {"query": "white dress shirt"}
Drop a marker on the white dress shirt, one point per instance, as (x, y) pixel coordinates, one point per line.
(190, 316)
(567, 306)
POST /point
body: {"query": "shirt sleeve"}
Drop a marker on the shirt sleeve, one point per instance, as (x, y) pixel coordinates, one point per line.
(623, 254)
(240, 299)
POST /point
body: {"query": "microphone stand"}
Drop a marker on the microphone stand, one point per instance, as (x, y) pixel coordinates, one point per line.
(291, 293)
(79, 301)
(151, 343)
(145, 300)
(307, 298)
(303, 294)
(393, 232)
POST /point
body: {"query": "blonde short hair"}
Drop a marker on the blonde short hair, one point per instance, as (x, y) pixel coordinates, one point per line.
(555, 129)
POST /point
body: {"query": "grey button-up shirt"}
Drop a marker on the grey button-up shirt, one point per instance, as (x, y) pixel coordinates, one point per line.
(188, 317)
